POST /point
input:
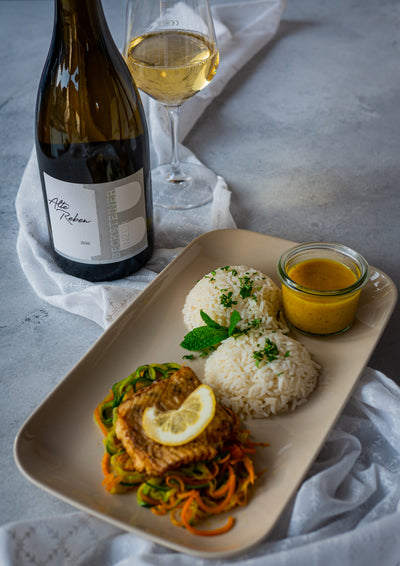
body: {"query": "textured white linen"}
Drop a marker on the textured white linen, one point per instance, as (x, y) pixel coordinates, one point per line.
(103, 302)
(242, 29)
(346, 512)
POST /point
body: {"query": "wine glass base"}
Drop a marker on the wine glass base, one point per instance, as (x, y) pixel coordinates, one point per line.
(191, 190)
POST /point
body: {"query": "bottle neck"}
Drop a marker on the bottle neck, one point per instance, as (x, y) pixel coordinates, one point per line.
(78, 19)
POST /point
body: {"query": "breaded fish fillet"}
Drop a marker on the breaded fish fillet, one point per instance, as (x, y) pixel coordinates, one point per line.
(156, 459)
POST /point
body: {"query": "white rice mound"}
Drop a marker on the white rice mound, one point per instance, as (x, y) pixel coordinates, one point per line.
(271, 388)
(263, 304)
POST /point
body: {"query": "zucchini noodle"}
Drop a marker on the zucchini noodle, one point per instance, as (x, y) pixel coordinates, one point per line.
(189, 493)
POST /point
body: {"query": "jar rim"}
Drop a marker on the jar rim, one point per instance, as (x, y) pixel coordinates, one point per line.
(339, 249)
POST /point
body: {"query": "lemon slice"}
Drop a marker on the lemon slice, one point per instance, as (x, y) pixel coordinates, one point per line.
(179, 426)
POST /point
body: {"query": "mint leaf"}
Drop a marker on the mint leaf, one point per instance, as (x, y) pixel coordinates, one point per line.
(203, 337)
(209, 321)
(235, 318)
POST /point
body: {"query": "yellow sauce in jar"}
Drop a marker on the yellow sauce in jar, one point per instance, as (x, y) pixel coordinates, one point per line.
(322, 274)
(319, 313)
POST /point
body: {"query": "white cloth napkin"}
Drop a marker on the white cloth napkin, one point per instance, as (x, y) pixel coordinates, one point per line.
(346, 512)
(242, 29)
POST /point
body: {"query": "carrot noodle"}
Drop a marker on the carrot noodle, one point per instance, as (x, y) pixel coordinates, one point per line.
(187, 515)
(170, 480)
(149, 499)
(174, 519)
(188, 494)
(105, 464)
(248, 464)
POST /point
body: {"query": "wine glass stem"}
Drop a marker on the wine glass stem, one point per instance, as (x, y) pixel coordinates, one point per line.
(177, 174)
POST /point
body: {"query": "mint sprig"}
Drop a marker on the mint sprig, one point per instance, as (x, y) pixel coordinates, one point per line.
(212, 333)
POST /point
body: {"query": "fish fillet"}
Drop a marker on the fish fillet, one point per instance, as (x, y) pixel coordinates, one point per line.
(152, 458)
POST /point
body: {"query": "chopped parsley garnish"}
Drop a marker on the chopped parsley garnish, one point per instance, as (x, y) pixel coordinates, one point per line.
(255, 323)
(226, 300)
(270, 352)
(246, 286)
(258, 356)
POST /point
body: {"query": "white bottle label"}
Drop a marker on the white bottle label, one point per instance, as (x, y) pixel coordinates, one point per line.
(97, 223)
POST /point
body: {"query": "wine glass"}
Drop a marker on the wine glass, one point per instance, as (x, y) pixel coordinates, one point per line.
(171, 51)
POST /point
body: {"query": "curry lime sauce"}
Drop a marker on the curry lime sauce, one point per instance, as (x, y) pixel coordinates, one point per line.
(322, 274)
(313, 310)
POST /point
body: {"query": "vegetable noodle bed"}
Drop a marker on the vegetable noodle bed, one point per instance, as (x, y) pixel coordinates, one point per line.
(188, 493)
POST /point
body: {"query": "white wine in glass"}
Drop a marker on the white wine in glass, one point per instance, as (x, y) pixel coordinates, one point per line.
(171, 50)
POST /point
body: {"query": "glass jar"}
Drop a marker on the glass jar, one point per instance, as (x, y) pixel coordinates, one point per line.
(321, 285)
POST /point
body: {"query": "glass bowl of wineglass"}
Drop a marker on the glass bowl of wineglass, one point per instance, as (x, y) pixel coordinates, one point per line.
(171, 51)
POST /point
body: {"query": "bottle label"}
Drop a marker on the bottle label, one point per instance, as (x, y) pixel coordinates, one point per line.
(97, 223)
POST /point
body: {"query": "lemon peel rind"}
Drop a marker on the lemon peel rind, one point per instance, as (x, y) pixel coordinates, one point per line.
(165, 434)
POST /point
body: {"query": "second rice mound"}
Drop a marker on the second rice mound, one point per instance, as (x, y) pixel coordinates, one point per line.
(261, 374)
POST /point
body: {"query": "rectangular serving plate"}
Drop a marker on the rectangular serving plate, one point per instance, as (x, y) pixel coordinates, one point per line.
(59, 448)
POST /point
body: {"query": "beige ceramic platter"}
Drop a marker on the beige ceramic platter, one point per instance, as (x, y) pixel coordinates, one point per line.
(59, 448)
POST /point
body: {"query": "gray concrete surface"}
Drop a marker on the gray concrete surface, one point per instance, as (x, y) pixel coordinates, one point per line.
(307, 137)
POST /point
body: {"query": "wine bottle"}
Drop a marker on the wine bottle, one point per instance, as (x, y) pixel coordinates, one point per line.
(93, 150)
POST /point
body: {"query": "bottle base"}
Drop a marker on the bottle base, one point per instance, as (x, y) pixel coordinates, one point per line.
(103, 272)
